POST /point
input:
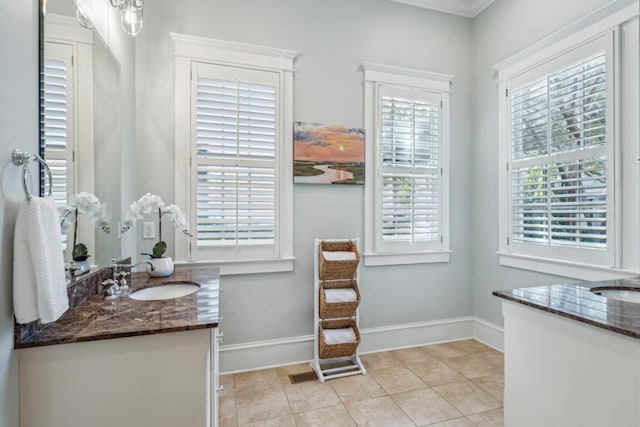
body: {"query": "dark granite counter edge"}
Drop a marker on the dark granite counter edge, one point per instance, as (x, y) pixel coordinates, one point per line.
(611, 328)
(102, 337)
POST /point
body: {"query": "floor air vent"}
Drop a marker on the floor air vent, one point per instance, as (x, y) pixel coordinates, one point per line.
(302, 377)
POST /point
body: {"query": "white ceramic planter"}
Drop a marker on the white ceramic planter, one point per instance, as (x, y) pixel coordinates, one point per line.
(163, 267)
(82, 267)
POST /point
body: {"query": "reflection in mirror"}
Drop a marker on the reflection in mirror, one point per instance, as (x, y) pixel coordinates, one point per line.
(82, 123)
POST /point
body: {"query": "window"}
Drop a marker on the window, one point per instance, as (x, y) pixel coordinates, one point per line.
(561, 172)
(406, 179)
(562, 152)
(68, 119)
(235, 143)
(238, 135)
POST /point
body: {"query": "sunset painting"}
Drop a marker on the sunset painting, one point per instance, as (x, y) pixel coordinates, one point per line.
(328, 154)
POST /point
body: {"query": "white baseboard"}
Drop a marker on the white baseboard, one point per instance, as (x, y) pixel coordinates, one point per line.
(387, 338)
(488, 333)
(273, 353)
(265, 354)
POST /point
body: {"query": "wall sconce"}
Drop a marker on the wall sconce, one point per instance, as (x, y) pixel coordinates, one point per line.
(130, 15)
(82, 19)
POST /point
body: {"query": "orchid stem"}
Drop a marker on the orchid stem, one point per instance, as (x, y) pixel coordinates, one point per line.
(75, 233)
(160, 223)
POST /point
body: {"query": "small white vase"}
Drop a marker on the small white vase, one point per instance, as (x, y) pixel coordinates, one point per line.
(163, 267)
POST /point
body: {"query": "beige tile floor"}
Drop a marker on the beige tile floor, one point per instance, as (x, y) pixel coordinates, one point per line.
(458, 384)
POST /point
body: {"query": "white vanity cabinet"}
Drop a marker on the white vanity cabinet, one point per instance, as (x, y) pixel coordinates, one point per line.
(159, 380)
(563, 373)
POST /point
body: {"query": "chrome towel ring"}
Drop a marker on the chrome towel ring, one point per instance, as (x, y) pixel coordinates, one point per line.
(21, 158)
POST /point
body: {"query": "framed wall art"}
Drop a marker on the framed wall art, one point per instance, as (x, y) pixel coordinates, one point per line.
(328, 154)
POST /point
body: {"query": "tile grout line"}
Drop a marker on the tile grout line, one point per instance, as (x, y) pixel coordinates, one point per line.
(444, 360)
(435, 391)
(404, 365)
(293, 414)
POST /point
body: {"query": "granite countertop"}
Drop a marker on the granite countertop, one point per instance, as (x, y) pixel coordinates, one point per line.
(576, 301)
(97, 319)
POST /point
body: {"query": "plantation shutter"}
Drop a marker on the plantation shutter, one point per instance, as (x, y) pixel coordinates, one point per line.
(561, 163)
(561, 182)
(235, 157)
(58, 119)
(411, 172)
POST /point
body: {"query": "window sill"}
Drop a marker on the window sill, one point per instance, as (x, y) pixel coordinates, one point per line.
(379, 259)
(572, 270)
(254, 266)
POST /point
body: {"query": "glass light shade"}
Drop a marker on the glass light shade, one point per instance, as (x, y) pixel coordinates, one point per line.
(131, 17)
(82, 18)
(116, 3)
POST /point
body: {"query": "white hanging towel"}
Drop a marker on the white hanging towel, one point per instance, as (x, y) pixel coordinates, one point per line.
(39, 287)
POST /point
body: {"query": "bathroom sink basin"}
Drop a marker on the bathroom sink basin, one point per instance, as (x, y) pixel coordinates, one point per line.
(164, 291)
(621, 294)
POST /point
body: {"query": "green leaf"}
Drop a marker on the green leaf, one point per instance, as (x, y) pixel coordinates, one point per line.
(159, 249)
(80, 252)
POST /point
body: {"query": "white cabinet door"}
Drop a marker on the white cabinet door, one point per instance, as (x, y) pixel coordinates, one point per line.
(152, 380)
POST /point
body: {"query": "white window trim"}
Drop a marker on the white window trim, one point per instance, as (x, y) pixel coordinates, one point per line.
(375, 74)
(192, 48)
(608, 19)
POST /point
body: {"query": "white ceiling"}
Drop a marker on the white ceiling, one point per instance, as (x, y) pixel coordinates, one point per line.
(467, 8)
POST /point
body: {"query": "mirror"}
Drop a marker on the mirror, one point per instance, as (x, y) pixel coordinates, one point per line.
(82, 121)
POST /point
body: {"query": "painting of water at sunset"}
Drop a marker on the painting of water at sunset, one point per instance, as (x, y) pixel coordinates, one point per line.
(331, 154)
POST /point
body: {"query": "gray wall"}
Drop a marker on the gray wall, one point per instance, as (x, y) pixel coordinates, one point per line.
(333, 37)
(18, 129)
(500, 31)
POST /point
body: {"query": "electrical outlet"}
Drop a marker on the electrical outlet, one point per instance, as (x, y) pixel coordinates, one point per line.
(148, 231)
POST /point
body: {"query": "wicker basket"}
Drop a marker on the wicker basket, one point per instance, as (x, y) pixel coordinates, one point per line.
(334, 310)
(328, 351)
(343, 269)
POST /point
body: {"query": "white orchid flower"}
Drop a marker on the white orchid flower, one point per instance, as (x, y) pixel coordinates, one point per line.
(88, 204)
(179, 220)
(150, 204)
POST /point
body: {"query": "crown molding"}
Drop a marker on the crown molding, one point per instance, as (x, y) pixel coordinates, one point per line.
(466, 8)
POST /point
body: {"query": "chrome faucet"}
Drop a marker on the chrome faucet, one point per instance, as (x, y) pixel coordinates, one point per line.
(71, 268)
(111, 289)
(114, 266)
(118, 282)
